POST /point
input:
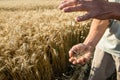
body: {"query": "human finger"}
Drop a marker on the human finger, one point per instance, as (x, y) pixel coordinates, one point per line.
(76, 50)
(80, 7)
(103, 15)
(84, 17)
(72, 59)
(81, 60)
(63, 1)
(72, 51)
(68, 3)
(74, 62)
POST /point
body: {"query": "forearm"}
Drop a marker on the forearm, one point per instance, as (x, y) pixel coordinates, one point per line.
(97, 29)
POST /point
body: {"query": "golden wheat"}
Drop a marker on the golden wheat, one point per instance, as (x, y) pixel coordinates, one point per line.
(35, 38)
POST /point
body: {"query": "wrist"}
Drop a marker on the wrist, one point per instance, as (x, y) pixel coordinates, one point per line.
(90, 46)
(115, 7)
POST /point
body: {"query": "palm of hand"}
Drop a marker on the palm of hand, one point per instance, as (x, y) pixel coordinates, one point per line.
(80, 54)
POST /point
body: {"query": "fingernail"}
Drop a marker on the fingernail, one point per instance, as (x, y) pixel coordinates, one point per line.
(59, 7)
(78, 61)
(74, 62)
(66, 10)
(78, 19)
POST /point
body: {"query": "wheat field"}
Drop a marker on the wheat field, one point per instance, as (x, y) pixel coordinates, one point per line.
(35, 37)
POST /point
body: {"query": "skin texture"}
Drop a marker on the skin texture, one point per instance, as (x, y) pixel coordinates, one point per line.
(108, 10)
(97, 30)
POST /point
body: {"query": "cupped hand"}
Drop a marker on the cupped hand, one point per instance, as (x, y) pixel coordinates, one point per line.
(80, 49)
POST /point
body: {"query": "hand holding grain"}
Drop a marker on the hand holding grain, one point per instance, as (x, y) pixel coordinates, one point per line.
(80, 54)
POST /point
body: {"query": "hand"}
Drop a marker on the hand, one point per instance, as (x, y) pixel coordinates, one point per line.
(77, 50)
(99, 9)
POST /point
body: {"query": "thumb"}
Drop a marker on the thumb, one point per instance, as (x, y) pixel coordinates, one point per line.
(84, 17)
